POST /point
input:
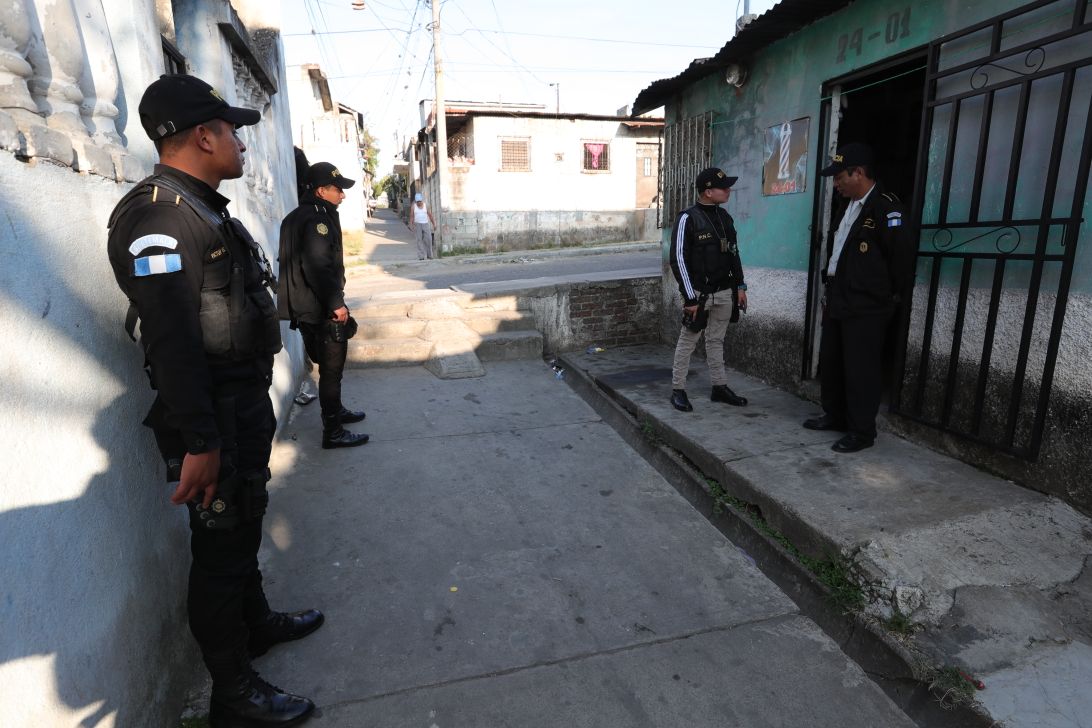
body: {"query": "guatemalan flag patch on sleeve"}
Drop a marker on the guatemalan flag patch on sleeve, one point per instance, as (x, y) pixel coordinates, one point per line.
(151, 265)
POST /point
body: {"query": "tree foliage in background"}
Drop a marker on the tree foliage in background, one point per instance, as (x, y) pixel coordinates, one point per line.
(371, 151)
(393, 184)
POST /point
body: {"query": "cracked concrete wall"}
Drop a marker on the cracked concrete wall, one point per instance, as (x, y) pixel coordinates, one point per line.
(93, 584)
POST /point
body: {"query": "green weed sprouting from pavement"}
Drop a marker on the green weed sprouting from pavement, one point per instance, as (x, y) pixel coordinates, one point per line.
(899, 623)
(650, 434)
(950, 687)
(833, 572)
(202, 722)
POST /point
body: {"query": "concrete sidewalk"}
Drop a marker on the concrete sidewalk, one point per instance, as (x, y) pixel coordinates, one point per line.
(992, 574)
(498, 556)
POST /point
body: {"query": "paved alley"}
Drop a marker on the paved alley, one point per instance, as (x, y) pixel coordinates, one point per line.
(498, 556)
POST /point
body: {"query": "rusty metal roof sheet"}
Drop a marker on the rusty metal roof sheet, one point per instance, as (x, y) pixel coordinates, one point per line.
(782, 20)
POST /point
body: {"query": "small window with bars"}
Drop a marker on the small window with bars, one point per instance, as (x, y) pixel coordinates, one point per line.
(596, 156)
(515, 154)
(173, 60)
(460, 147)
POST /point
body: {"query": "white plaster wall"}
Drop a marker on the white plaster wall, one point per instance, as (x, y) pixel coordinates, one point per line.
(318, 134)
(551, 184)
(92, 583)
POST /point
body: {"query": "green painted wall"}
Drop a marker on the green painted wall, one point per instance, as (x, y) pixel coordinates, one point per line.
(785, 83)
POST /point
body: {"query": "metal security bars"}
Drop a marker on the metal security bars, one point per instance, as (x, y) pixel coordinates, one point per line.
(1002, 176)
(515, 155)
(688, 149)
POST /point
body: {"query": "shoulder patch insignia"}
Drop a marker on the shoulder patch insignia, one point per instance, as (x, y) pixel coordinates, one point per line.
(151, 265)
(863, 247)
(893, 214)
(322, 229)
(144, 242)
(894, 222)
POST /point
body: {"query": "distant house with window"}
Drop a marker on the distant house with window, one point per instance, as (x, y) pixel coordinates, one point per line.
(519, 177)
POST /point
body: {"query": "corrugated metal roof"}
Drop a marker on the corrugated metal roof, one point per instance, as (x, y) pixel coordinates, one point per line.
(783, 19)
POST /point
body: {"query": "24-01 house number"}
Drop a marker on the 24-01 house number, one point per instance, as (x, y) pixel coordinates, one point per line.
(898, 26)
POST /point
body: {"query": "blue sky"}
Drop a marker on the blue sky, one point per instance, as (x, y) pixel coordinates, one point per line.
(602, 52)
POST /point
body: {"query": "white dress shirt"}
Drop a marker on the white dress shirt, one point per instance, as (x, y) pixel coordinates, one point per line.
(840, 235)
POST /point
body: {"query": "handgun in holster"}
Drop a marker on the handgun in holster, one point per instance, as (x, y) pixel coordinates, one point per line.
(240, 497)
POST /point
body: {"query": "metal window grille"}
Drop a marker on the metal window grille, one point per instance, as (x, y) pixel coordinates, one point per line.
(515, 155)
(647, 171)
(173, 60)
(596, 156)
(688, 149)
(461, 146)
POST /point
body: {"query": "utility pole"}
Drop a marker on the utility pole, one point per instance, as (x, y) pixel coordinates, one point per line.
(557, 98)
(441, 127)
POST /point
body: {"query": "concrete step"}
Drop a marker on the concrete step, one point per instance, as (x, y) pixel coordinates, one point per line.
(364, 353)
(490, 322)
(509, 345)
(489, 303)
(390, 327)
(382, 309)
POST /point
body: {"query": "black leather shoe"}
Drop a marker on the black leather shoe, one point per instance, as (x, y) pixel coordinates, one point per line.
(680, 401)
(257, 704)
(348, 416)
(341, 437)
(283, 627)
(721, 393)
(851, 443)
(825, 422)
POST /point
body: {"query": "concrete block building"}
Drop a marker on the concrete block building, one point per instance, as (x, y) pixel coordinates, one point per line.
(979, 112)
(518, 177)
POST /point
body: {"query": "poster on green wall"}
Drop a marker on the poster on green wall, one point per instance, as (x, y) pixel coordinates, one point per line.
(785, 169)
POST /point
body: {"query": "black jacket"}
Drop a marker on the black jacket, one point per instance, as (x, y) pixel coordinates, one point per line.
(698, 261)
(875, 270)
(312, 269)
(173, 265)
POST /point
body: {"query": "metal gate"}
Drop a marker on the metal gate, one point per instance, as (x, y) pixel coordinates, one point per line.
(688, 149)
(1001, 181)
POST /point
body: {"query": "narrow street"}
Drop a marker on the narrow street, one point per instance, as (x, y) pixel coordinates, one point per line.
(498, 556)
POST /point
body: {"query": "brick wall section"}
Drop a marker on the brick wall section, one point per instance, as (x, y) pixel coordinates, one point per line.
(615, 313)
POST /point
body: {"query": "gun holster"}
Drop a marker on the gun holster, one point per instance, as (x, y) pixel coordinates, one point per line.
(240, 498)
(700, 319)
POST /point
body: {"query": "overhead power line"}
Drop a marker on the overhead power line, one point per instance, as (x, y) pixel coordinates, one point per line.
(530, 35)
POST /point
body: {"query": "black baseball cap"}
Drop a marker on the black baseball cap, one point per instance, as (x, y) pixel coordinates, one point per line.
(854, 154)
(176, 101)
(321, 174)
(713, 178)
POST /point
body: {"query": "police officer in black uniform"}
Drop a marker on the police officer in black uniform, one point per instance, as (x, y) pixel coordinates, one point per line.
(706, 265)
(196, 281)
(312, 294)
(869, 274)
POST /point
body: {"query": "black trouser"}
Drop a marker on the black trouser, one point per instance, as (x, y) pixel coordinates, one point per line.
(851, 370)
(225, 594)
(330, 357)
(225, 587)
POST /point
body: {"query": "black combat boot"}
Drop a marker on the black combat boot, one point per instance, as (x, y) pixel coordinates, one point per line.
(721, 393)
(334, 435)
(241, 699)
(282, 627)
(349, 416)
(680, 401)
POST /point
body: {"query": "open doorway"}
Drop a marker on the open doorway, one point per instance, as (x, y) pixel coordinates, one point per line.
(881, 106)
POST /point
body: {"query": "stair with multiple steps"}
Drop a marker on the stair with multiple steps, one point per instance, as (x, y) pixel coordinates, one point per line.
(450, 333)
